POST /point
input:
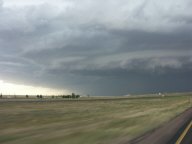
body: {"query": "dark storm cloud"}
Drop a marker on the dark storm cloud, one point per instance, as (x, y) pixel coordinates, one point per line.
(111, 47)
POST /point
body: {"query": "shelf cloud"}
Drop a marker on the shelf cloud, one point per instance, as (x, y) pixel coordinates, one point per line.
(98, 47)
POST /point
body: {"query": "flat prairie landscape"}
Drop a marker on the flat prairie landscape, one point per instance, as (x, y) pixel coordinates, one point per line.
(86, 121)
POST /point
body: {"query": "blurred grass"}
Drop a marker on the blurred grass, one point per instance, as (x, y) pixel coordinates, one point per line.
(85, 122)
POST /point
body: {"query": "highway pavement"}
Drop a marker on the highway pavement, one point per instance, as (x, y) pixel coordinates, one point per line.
(176, 131)
(186, 135)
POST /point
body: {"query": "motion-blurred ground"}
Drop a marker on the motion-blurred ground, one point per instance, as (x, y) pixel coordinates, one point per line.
(85, 122)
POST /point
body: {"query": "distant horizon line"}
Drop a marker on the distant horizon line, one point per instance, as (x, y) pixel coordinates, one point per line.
(96, 95)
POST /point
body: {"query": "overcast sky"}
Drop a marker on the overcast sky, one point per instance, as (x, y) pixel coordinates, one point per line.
(96, 47)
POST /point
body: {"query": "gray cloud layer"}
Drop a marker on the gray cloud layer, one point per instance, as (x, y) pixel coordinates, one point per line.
(110, 48)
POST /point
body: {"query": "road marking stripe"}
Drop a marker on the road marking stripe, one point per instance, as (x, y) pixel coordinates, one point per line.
(184, 133)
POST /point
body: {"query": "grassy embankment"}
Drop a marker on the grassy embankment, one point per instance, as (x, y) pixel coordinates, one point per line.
(85, 122)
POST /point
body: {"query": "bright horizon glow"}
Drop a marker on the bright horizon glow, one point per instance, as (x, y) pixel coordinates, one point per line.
(18, 89)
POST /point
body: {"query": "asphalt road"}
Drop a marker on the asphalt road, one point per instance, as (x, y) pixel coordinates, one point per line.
(182, 136)
(187, 139)
(170, 132)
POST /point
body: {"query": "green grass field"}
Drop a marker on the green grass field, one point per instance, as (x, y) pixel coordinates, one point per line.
(85, 122)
